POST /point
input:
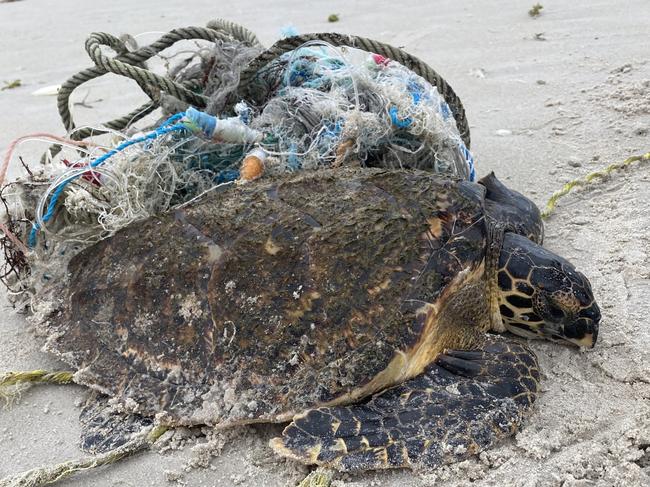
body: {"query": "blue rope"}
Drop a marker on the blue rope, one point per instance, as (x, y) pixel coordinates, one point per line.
(166, 127)
(173, 119)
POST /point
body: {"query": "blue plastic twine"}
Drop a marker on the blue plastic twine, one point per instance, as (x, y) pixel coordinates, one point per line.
(166, 127)
(469, 158)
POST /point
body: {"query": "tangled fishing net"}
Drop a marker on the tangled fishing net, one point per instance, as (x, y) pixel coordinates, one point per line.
(233, 112)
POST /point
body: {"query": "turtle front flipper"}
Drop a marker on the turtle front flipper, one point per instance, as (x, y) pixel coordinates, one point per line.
(518, 213)
(462, 404)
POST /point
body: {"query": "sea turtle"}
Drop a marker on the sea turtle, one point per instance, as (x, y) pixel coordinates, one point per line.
(358, 305)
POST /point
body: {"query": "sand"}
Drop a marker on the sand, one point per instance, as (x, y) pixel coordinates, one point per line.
(548, 99)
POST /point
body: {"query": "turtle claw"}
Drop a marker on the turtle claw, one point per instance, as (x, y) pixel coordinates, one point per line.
(459, 366)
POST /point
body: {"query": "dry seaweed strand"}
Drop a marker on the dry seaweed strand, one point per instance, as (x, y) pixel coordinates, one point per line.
(589, 179)
(15, 265)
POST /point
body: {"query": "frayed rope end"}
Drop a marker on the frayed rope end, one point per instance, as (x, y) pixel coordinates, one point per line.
(13, 384)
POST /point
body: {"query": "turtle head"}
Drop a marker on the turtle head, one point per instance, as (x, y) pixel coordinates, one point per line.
(543, 296)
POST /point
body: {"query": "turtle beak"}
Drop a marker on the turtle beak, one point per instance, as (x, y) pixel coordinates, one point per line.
(583, 331)
(587, 341)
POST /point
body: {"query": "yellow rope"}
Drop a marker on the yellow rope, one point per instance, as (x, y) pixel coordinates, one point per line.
(13, 384)
(35, 376)
(47, 475)
(552, 202)
(318, 478)
(156, 433)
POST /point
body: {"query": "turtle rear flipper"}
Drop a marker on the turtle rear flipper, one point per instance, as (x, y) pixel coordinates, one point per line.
(104, 427)
(462, 404)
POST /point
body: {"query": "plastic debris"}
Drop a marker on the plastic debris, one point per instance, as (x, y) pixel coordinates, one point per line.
(314, 107)
(52, 90)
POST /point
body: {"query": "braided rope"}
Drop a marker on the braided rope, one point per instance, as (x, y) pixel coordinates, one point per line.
(122, 63)
(407, 60)
(13, 384)
(35, 376)
(142, 76)
(131, 64)
(588, 179)
(237, 31)
(50, 474)
(318, 478)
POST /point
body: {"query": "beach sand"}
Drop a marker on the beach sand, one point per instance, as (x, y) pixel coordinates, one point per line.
(548, 99)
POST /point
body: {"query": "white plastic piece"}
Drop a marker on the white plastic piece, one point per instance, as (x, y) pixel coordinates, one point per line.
(47, 91)
(233, 130)
(259, 153)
